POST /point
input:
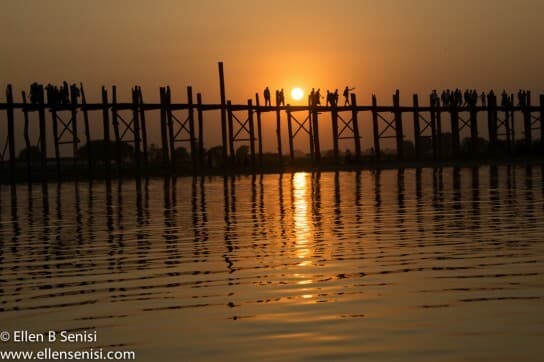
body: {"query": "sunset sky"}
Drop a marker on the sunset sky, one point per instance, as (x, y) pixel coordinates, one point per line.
(374, 46)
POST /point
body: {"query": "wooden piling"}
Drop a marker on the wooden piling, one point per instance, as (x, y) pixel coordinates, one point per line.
(455, 138)
(278, 130)
(434, 138)
(136, 129)
(417, 127)
(507, 113)
(315, 128)
(164, 128)
(143, 125)
(87, 129)
(230, 131)
(200, 118)
(398, 126)
(375, 129)
(290, 133)
(56, 141)
(334, 123)
(115, 123)
(527, 122)
(251, 131)
(43, 134)
(106, 129)
(11, 132)
(356, 135)
(492, 121)
(191, 118)
(75, 138)
(259, 128)
(223, 111)
(171, 135)
(26, 136)
(439, 144)
(473, 129)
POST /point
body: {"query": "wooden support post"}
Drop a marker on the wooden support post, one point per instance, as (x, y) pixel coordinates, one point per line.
(27, 140)
(191, 118)
(75, 138)
(417, 128)
(512, 124)
(473, 129)
(439, 144)
(171, 135)
(136, 127)
(278, 131)
(507, 114)
(527, 122)
(231, 131)
(87, 129)
(398, 126)
(251, 131)
(106, 129)
(434, 138)
(143, 125)
(164, 128)
(455, 141)
(290, 132)
(200, 118)
(492, 122)
(311, 130)
(542, 120)
(56, 141)
(375, 128)
(223, 111)
(11, 133)
(115, 123)
(356, 136)
(43, 134)
(334, 122)
(259, 128)
(315, 128)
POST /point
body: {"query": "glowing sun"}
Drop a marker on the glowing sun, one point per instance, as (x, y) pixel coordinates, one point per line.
(297, 94)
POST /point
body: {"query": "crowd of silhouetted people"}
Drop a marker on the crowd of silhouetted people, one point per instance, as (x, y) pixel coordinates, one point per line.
(56, 95)
(314, 98)
(470, 98)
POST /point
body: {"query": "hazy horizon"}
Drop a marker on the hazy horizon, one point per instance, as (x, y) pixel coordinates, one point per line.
(374, 47)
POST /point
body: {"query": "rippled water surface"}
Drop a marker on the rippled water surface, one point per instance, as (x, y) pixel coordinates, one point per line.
(418, 265)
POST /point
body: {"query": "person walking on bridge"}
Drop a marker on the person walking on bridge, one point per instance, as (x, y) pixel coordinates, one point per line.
(346, 95)
(266, 94)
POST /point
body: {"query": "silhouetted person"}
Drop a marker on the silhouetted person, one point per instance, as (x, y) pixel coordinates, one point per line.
(329, 98)
(482, 99)
(435, 102)
(74, 93)
(318, 96)
(282, 97)
(335, 97)
(266, 94)
(311, 98)
(346, 95)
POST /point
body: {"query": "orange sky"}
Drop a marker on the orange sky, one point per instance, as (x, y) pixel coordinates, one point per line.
(375, 46)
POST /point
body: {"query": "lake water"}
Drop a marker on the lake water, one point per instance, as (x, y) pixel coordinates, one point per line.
(413, 265)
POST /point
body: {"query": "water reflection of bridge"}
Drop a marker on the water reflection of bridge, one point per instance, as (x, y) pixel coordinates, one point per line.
(172, 224)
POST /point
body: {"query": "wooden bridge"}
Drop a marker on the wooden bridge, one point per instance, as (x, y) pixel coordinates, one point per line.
(183, 123)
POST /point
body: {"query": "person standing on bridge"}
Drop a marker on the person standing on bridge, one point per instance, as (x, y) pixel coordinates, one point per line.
(266, 94)
(346, 95)
(281, 100)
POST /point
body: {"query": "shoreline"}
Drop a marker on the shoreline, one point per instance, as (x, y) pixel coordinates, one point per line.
(76, 172)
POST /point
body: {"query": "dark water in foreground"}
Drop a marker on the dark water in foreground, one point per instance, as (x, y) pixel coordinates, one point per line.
(397, 265)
